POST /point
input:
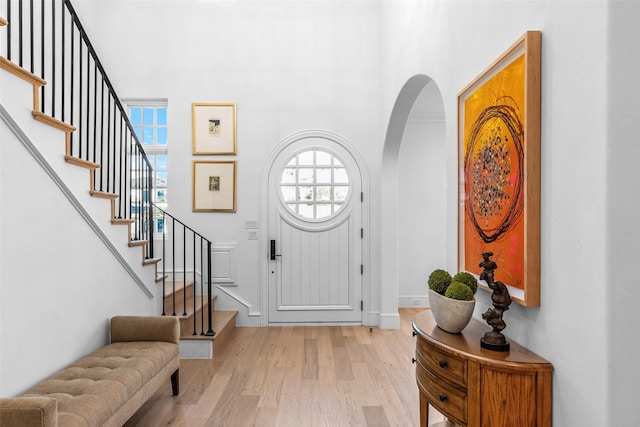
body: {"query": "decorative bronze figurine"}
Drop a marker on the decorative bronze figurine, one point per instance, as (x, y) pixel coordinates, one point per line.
(494, 340)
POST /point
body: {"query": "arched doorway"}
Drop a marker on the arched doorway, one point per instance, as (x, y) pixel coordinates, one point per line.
(413, 177)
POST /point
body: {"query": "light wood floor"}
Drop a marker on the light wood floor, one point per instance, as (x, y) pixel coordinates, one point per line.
(297, 376)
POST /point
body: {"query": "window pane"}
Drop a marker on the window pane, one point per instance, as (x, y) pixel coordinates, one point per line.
(323, 158)
(305, 158)
(323, 194)
(340, 176)
(288, 176)
(306, 210)
(323, 211)
(305, 175)
(292, 162)
(161, 136)
(161, 162)
(293, 207)
(336, 208)
(161, 196)
(305, 193)
(323, 176)
(340, 193)
(148, 136)
(148, 116)
(162, 116)
(288, 193)
(161, 179)
(337, 162)
(136, 116)
(138, 131)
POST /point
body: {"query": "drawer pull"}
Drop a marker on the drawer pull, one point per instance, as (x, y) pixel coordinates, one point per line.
(413, 360)
(443, 363)
(413, 333)
(442, 397)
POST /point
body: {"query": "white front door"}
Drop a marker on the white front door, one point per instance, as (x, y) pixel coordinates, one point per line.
(315, 220)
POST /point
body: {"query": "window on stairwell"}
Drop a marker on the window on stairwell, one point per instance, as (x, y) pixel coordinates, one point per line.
(149, 120)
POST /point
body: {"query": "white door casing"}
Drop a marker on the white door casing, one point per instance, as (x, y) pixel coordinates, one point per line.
(315, 216)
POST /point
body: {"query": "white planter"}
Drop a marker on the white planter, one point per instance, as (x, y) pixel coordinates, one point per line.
(450, 315)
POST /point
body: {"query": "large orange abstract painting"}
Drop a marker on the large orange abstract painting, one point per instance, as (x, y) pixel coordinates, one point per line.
(499, 140)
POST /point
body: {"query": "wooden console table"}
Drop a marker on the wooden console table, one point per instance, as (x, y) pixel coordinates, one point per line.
(476, 387)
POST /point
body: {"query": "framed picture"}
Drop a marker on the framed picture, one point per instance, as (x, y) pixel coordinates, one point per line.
(214, 186)
(213, 128)
(499, 170)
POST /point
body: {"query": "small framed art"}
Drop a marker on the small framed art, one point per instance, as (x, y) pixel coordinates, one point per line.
(214, 186)
(499, 170)
(213, 128)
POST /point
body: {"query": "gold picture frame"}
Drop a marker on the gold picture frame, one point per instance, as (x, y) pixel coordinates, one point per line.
(213, 128)
(214, 186)
(499, 170)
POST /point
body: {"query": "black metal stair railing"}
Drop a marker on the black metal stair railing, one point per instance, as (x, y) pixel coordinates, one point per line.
(190, 252)
(46, 38)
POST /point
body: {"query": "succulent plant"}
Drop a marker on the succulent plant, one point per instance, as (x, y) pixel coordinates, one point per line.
(439, 281)
(459, 291)
(468, 279)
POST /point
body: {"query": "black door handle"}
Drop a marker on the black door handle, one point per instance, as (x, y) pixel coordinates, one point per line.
(272, 252)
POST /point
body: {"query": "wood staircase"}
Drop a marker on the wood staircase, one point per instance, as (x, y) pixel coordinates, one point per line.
(223, 320)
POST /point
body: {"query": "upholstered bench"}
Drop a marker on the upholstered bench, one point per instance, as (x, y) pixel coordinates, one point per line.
(107, 386)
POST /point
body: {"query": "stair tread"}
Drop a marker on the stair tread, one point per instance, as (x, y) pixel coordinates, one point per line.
(21, 72)
(52, 121)
(134, 243)
(81, 162)
(221, 320)
(122, 221)
(103, 194)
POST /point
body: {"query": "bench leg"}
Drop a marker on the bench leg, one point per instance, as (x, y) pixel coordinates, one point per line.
(175, 382)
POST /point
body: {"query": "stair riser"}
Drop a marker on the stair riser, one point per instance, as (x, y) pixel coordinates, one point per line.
(180, 291)
(186, 323)
(180, 305)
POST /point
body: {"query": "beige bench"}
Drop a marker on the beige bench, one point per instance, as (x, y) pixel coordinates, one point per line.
(107, 386)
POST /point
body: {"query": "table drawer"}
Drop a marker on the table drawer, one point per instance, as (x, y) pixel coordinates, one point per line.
(442, 364)
(445, 398)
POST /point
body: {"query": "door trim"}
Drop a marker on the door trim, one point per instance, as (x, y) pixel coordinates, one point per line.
(264, 215)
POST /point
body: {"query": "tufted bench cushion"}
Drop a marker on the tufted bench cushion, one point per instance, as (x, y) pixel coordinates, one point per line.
(107, 386)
